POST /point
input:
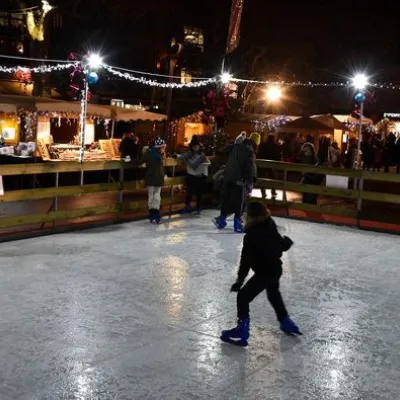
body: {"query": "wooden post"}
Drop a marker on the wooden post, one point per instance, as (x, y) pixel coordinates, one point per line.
(121, 187)
(56, 198)
(359, 200)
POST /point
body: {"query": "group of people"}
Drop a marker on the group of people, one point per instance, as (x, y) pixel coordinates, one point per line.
(263, 245)
(377, 153)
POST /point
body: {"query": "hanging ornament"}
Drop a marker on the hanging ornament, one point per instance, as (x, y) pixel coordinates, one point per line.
(92, 78)
(359, 97)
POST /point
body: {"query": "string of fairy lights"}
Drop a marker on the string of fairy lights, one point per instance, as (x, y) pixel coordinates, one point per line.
(41, 69)
(155, 79)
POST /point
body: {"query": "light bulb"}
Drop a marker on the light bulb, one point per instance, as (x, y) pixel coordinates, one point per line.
(360, 81)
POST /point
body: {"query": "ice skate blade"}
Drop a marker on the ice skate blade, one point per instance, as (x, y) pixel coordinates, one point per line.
(216, 223)
(239, 342)
(289, 333)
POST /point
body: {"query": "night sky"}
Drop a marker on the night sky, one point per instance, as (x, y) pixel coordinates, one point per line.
(298, 40)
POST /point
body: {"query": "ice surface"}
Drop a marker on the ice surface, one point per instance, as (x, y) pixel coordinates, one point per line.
(134, 311)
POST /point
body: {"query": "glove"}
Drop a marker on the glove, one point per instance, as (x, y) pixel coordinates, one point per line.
(287, 243)
(236, 286)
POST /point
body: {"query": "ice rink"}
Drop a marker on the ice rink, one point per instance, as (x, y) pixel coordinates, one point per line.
(134, 311)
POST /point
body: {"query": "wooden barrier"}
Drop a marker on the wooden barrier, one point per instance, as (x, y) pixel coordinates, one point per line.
(115, 210)
(123, 203)
(355, 197)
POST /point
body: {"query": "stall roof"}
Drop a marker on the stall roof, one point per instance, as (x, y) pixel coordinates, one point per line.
(72, 107)
(329, 120)
(53, 105)
(351, 120)
(45, 104)
(306, 123)
(8, 108)
(125, 114)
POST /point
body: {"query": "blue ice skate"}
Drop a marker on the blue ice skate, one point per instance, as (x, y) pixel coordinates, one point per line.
(239, 335)
(237, 225)
(187, 210)
(289, 327)
(220, 222)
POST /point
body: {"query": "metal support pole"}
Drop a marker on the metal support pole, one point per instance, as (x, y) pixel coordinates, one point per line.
(82, 118)
(359, 201)
(360, 136)
(82, 178)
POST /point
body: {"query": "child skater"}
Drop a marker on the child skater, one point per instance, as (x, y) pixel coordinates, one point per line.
(261, 252)
(154, 177)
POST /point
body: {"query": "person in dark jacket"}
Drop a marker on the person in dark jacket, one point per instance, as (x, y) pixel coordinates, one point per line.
(240, 170)
(262, 251)
(197, 165)
(270, 150)
(154, 177)
(307, 154)
(397, 154)
(128, 147)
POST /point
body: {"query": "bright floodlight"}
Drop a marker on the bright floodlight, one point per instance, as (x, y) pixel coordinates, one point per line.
(226, 77)
(95, 61)
(274, 93)
(360, 81)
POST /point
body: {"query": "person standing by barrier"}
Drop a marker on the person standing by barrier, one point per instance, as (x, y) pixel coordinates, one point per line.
(253, 142)
(334, 155)
(397, 154)
(240, 170)
(197, 171)
(270, 150)
(154, 177)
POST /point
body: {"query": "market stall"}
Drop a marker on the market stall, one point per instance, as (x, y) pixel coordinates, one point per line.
(11, 145)
(57, 131)
(339, 129)
(182, 130)
(304, 126)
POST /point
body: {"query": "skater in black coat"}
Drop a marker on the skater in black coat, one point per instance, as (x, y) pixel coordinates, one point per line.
(263, 247)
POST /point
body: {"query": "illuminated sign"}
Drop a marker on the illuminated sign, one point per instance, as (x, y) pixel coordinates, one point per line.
(391, 115)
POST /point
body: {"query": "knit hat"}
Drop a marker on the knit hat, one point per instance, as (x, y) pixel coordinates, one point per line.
(256, 138)
(241, 137)
(257, 209)
(159, 143)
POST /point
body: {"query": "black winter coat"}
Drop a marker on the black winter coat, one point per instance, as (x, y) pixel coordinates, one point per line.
(262, 250)
(241, 166)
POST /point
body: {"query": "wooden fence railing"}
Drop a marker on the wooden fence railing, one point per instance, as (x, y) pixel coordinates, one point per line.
(119, 207)
(127, 197)
(354, 197)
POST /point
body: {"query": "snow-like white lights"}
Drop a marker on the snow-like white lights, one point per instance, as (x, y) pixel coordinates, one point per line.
(360, 81)
(273, 93)
(226, 77)
(95, 61)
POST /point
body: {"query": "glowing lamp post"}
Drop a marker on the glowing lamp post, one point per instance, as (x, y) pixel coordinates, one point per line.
(360, 82)
(273, 94)
(90, 64)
